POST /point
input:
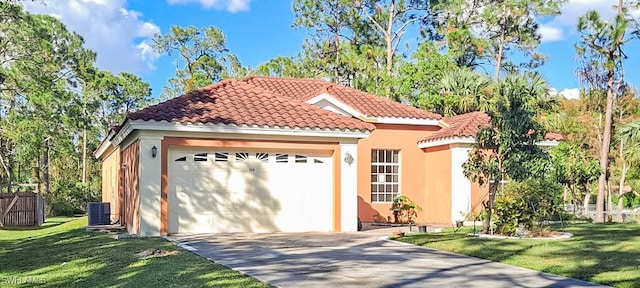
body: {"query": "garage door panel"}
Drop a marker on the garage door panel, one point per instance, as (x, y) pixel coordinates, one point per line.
(249, 191)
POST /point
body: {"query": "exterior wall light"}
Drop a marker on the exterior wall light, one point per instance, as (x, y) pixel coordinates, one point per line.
(154, 151)
(348, 158)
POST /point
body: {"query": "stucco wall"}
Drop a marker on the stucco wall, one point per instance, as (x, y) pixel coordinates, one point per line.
(110, 181)
(479, 194)
(149, 185)
(437, 186)
(460, 185)
(412, 169)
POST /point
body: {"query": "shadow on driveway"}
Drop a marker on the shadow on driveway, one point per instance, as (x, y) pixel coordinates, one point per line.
(358, 260)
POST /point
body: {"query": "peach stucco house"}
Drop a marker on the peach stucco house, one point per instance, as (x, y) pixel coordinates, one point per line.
(277, 154)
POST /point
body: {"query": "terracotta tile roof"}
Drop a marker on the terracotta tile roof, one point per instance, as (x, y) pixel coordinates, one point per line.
(365, 103)
(553, 136)
(238, 103)
(468, 125)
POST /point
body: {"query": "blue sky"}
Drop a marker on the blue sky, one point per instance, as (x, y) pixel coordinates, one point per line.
(120, 32)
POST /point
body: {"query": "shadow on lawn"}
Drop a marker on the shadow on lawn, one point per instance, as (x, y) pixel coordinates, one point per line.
(48, 224)
(594, 250)
(92, 259)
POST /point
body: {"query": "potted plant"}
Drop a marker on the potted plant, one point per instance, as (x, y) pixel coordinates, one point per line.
(404, 209)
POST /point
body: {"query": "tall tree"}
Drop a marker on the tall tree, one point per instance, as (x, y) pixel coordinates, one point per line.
(357, 43)
(507, 149)
(392, 19)
(331, 23)
(203, 58)
(601, 52)
(281, 67)
(487, 29)
(49, 105)
(419, 79)
(41, 90)
(119, 95)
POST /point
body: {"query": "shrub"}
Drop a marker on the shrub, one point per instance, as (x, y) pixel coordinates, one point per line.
(68, 198)
(528, 202)
(404, 209)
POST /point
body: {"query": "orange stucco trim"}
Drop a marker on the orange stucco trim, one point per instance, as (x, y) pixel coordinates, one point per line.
(130, 211)
(337, 191)
(172, 142)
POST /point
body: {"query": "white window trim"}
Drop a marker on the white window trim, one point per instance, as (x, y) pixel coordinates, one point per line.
(399, 174)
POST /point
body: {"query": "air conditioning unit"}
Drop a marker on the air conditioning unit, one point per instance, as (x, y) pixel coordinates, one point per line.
(99, 213)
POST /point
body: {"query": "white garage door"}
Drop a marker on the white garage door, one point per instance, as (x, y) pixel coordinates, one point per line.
(214, 191)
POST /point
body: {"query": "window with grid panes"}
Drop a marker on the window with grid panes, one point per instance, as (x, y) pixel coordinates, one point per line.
(385, 175)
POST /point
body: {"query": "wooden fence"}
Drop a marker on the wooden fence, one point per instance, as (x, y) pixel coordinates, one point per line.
(21, 209)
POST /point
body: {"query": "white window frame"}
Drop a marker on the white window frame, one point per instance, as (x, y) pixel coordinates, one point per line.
(381, 182)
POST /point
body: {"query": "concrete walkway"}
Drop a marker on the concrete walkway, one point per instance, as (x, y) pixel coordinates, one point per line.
(360, 259)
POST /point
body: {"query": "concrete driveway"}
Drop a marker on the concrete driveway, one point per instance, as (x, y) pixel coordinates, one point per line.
(360, 259)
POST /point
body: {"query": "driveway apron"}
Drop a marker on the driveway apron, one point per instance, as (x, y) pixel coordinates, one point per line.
(362, 259)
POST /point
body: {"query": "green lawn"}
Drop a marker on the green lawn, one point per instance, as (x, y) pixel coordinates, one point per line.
(602, 253)
(63, 254)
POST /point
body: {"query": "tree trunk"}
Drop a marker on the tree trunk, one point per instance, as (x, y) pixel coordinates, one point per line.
(621, 191)
(500, 55)
(388, 37)
(604, 149)
(45, 169)
(84, 155)
(585, 204)
(623, 175)
(493, 188)
(336, 70)
(609, 202)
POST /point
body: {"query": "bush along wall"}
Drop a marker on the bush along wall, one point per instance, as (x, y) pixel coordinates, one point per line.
(528, 203)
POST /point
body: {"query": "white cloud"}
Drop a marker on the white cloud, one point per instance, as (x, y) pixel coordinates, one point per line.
(119, 36)
(550, 34)
(232, 6)
(567, 21)
(571, 93)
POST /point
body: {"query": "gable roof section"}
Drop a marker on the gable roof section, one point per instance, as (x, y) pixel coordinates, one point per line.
(463, 129)
(232, 102)
(366, 104)
(464, 125)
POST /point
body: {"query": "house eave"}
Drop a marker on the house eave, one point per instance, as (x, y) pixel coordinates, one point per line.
(471, 141)
(446, 141)
(407, 121)
(104, 145)
(235, 129)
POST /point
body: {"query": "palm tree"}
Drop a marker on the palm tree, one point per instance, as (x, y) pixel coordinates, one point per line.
(601, 52)
(628, 137)
(465, 91)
